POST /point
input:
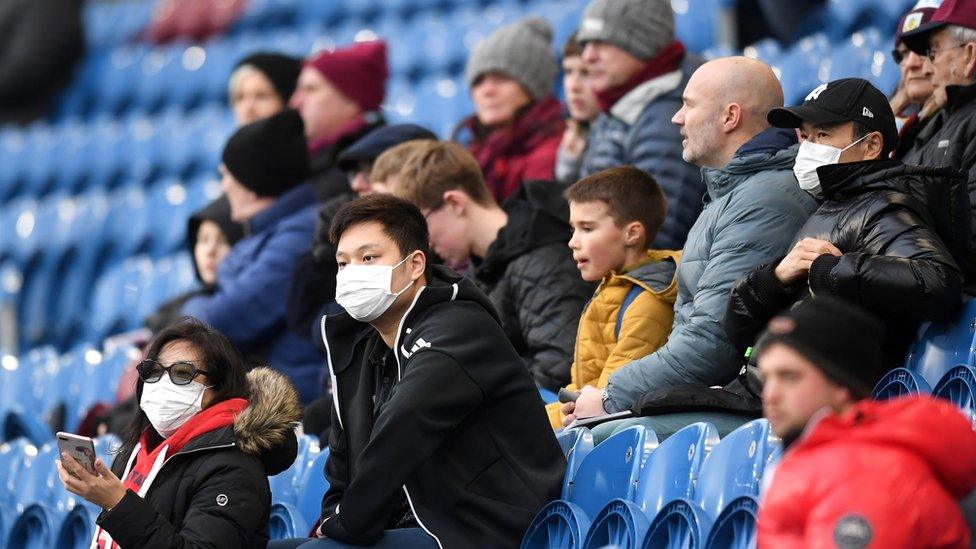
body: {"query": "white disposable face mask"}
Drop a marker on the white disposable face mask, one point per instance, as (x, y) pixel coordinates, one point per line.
(168, 406)
(810, 157)
(364, 290)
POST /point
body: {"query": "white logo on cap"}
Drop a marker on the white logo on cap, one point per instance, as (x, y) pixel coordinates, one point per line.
(815, 94)
(592, 24)
(912, 22)
(867, 113)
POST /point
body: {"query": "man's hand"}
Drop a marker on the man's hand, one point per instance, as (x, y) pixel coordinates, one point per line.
(104, 489)
(574, 139)
(589, 404)
(797, 263)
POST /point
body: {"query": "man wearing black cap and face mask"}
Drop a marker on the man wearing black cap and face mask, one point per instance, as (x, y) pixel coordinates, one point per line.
(265, 164)
(874, 240)
(856, 472)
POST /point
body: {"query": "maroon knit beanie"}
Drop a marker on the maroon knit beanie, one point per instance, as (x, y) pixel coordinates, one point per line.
(358, 71)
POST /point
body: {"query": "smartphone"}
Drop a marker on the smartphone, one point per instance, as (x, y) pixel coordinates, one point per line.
(79, 447)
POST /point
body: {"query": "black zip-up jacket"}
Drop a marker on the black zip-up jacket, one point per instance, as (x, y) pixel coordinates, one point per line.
(214, 492)
(530, 276)
(462, 434)
(893, 263)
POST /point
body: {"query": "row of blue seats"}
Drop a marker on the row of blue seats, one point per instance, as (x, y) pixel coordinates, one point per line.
(36, 511)
(296, 493)
(42, 388)
(691, 490)
(72, 156)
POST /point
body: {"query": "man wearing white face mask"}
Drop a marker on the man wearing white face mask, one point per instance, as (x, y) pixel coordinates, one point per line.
(439, 437)
(883, 237)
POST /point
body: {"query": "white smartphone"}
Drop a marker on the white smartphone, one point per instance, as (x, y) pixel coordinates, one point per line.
(79, 447)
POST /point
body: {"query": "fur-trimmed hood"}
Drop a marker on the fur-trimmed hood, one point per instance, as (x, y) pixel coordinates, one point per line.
(266, 428)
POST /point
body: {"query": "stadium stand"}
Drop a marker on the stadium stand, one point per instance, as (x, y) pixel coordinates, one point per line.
(92, 208)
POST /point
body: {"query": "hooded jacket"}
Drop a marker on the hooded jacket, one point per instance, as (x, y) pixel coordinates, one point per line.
(214, 492)
(886, 474)
(638, 131)
(522, 151)
(645, 326)
(754, 207)
(252, 284)
(530, 276)
(456, 429)
(893, 263)
(949, 139)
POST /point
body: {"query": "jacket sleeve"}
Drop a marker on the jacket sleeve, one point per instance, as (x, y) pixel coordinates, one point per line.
(430, 400)
(645, 327)
(336, 469)
(753, 230)
(134, 522)
(917, 268)
(549, 299)
(251, 306)
(756, 298)
(568, 167)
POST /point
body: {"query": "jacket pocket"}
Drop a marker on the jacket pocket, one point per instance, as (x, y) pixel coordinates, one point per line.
(499, 482)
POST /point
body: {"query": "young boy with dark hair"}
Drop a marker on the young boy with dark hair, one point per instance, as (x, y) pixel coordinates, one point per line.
(439, 438)
(615, 214)
(516, 251)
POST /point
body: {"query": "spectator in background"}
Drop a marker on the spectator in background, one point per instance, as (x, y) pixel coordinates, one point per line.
(615, 213)
(873, 240)
(439, 438)
(339, 94)
(261, 84)
(637, 71)
(517, 252)
(856, 472)
(582, 107)
(915, 101)
(196, 459)
(517, 123)
(753, 205)
(948, 42)
(265, 164)
(210, 234)
(311, 294)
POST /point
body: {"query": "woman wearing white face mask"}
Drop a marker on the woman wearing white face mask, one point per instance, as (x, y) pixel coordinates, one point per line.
(196, 461)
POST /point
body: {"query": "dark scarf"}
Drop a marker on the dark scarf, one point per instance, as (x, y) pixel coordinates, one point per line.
(665, 61)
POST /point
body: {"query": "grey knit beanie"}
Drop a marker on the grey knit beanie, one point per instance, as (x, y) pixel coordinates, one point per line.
(639, 27)
(522, 50)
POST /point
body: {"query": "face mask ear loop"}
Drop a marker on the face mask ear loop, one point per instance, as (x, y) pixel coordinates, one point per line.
(863, 137)
(407, 287)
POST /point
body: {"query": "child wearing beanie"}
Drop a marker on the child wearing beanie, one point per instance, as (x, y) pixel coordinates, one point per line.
(518, 124)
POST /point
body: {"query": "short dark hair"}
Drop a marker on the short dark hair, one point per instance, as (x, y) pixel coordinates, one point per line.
(572, 47)
(631, 194)
(226, 370)
(401, 221)
(859, 130)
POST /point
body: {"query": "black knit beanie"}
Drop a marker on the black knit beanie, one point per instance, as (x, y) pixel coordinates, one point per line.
(840, 338)
(269, 156)
(281, 70)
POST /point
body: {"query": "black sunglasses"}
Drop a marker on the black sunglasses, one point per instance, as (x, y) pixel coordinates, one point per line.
(180, 373)
(898, 55)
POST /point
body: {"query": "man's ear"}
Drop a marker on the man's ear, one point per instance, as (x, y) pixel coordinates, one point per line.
(458, 201)
(633, 233)
(873, 145)
(417, 264)
(731, 117)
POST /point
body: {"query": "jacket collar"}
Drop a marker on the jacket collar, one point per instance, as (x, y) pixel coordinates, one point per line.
(959, 96)
(839, 181)
(630, 106)
(771, 149)
(655, 272)
(295, 199)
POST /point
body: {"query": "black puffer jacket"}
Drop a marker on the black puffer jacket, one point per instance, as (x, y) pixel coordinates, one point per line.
(448, 424)
(893, 263)
(949, 139)
(530, 276)
(214, 492)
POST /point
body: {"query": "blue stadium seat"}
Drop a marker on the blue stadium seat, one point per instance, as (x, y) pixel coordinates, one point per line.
(766, 50)
(944, 345)
(314, 486)
(26, 424)
(958, 386)
(800, 67)
(696, 22)
(857, 55)
(619, 524)
(609, 472)
(285, 486)
(37, 526)
(576, 445)
(78, 527)
(286, 522)
(900, 382)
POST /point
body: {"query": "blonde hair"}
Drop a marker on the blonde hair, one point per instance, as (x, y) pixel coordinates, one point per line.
(391, 161)
(235, 79)
(436, 167)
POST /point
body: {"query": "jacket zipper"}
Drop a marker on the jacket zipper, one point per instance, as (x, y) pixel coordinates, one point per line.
(396, 353)
(328, 360)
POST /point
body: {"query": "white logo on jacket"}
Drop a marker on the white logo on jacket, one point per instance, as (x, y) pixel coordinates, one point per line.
(419, 344)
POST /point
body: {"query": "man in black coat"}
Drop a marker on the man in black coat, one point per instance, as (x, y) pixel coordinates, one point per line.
(439, 437)
(874, 240)
(517, 252)
(948, 41)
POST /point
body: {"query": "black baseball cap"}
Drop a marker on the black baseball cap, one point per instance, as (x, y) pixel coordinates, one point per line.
(369, 147)
(844, 100)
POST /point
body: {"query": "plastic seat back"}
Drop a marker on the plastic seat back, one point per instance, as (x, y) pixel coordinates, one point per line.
(958, 386)
(612, 469)
(576, 445)
(900, 382)
(284, 485)
(735, 467)
(945, 345)
(313, 489)
(672, 469)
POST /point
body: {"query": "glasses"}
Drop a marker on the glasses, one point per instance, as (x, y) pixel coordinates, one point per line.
(180, 373)
(440, 204)
(931, 53)
(899, 54)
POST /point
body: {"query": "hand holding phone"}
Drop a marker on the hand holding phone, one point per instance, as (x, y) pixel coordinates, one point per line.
(82, 449)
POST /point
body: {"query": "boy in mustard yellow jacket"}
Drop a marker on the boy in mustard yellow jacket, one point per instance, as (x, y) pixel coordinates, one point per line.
(615, 214)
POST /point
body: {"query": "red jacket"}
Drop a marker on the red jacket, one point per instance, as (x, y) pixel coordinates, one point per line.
(888, 472)
(524, 150)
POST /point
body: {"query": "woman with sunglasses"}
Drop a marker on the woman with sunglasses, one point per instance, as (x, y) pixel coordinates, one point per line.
(193, 469)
